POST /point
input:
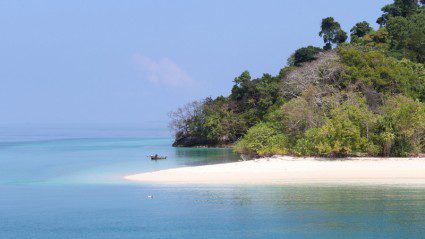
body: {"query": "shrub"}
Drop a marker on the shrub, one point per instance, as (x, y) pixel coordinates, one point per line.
(347, 131)
(335, 138)
(405, 119)
(304, 54)
(263, 140)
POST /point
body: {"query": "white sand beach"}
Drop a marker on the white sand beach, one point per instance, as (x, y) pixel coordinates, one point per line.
(291, 170)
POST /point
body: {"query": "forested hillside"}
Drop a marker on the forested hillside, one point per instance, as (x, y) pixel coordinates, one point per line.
(363, 97)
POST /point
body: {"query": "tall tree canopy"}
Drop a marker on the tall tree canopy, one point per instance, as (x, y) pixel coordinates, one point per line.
(407, 36)
(361, 29)
(400, 8)
(332, 33)
(416, 39)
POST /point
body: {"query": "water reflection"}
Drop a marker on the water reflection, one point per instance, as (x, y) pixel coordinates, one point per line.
(203, 156)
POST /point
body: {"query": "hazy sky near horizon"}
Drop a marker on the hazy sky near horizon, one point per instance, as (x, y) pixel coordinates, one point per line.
(104, 61)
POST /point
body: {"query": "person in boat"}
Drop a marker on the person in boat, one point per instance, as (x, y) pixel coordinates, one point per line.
(156, 156)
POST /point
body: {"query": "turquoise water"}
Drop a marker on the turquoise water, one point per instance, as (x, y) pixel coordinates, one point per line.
(67, 183)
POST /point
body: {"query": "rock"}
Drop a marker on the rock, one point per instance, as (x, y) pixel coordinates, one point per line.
(189, 141)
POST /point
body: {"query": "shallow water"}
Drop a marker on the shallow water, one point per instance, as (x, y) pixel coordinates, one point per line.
(69, 185)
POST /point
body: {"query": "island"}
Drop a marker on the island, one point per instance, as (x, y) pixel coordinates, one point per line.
(360, 99)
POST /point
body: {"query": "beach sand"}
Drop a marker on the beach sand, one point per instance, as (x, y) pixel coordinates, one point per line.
(291, 170)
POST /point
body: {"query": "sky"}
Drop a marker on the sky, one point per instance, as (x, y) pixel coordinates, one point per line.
(132, 61)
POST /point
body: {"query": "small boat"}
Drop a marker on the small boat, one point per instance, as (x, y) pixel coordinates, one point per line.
(157, 157)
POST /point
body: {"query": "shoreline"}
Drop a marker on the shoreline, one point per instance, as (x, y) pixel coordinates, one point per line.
(291, 170)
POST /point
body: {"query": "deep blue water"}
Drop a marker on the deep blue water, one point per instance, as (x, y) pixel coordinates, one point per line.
(60, 182)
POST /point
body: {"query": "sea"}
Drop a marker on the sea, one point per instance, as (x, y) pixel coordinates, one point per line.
(64, 182)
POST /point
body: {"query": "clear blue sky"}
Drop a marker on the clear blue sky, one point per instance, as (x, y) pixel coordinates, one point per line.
(103, 61)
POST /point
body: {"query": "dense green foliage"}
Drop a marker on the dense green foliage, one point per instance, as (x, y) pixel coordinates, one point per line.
(400, 8)
(384, 74)
(332, 33)
(304, 54)
(223, 120)
(361, 98)
(361, 29)
(263, 139)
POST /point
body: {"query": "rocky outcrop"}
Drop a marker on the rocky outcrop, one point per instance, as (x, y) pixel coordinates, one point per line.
(182, 140)
(189, 141)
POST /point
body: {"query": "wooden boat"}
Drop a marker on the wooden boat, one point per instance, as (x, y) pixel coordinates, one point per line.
(157, 157)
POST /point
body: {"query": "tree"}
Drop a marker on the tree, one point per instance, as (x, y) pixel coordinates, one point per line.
(361, 29)
(302, 113)
(267, 89)
(220, 125)
(400, 8)
(305, 54)
(415, 42)
(380, 36)
(398, 30)
(243, 79)
(324, 73)
(241, 91)
(405, 119)
(406, 36)
(184, 120)
(332, 33)
(242, 84)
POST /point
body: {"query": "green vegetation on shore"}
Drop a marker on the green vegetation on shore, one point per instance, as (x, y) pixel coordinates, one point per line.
(365, 97)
